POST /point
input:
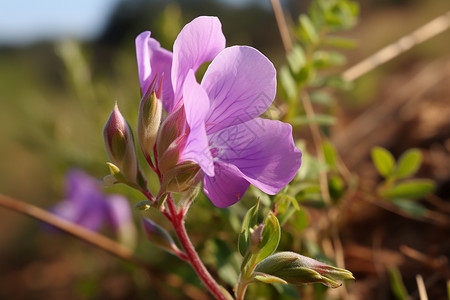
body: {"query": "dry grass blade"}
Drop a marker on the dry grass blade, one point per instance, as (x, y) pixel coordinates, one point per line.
(421, 286)
(422, 34)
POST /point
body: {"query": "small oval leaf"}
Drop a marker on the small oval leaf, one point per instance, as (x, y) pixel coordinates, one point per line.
(383, 160)
(412, 189)
(410, 207)
(408, 163)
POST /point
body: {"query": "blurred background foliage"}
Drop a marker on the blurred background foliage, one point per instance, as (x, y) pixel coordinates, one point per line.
(55, 97)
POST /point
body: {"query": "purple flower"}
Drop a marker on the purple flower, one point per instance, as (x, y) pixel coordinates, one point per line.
(226, 137)
(87, 206)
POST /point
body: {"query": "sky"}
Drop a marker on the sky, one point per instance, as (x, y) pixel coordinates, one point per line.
(26, 21)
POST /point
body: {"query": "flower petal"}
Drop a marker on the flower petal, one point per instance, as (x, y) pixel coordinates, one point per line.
(241, 84)
(196, 105)
(153, 60)
(198, 42)
(262, 149)
(119, 211)
(226, 187)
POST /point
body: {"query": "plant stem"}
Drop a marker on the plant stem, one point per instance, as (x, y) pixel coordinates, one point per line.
(241, 288)
(192, 256)
(95, 239)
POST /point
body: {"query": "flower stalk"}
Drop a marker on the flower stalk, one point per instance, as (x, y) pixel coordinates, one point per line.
(191, 254)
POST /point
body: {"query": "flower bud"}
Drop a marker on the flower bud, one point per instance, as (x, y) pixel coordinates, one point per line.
(171, 140)
(158, 236)
(297, 269)
(181, 177)
(120, 145)
(150, 112)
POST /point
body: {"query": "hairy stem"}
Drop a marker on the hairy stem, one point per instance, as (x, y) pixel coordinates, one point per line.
(192, 256)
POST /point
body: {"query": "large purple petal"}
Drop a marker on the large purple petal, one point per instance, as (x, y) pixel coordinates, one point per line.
(241, 84)
(198, 42)
(196, 105)
(262, 149)
(153, 60)
(226, 187)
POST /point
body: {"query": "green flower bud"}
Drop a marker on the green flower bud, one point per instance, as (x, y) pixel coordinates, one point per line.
(158, 236)
(119, 145)
(150, 112)
(298, 269)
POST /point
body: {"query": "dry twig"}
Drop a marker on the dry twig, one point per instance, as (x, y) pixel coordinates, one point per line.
(422, 34)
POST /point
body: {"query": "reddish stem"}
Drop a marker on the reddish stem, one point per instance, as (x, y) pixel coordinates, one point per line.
(148, 195)
(192, 256)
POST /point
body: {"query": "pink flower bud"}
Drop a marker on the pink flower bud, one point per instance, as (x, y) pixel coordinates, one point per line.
(171, 140)
(180, 178)
(120, 145)
(150, 112)
(158, 236)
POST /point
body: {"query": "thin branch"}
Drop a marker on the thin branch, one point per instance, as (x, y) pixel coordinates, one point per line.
(420, 35)
(95, 239)
(282, 26)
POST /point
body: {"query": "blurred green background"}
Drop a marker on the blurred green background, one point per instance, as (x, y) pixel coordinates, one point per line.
(56, 94)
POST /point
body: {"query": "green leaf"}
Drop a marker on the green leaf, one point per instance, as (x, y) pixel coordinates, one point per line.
(383, 160)
(296, 59)
(320, 119)
(300, 220)
(321, 97)
(408, 163)
(412, 189)
(249, 222)
(284, 207)
(288, 84)
(330, 155)
(271, 235)
(288, 199)
(263, 241)
(337, 82)
(340, 42)
(336, 187)
(308, 29)
(325, 59)
(397, 285)
(410, 207)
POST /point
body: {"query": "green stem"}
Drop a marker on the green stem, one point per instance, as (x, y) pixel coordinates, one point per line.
(240, 289)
